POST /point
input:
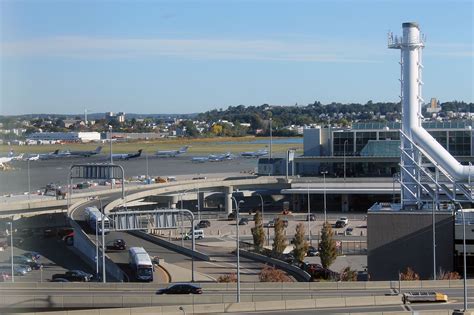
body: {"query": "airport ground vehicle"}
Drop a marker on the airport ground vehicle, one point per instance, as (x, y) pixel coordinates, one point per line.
(140, 263)
(418, 296)
(181, 289)
(198, 234)
(74, 275)
(345, 220)
(94, 219)
(349, 231)
(340, 224)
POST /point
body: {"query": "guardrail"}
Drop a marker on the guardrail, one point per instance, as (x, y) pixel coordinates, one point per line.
(296, 272)
(159, 241)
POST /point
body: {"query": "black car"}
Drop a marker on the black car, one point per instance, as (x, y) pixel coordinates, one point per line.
(340, 224)
(312, 251)
(204, 224)
(244, 221)
(181, 289)
(119, 244)
(74, 275)
(22, 260)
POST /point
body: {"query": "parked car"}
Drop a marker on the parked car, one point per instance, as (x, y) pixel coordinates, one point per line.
(244, 221)
(312, 251)
(22, 260)
(181, 289)
(310, 217)
(286, 212)
(18, 270)
(204, 224)
(60, 280)
(74, 275)
(119, 244)
(32, 255)
(349, 231)
(198, 234)
(340, 224)
(231, 216)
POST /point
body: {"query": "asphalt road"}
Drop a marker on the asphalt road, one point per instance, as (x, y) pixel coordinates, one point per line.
(43, 172)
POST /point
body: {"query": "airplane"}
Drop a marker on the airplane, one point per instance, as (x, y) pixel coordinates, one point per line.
(127, 156)
(213, 158)
(7, 159)
(172, 153)
(86, 153)
(35, 157)
(52, 155)
(254, 154)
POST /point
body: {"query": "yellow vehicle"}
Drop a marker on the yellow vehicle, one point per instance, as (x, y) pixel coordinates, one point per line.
(418, 296)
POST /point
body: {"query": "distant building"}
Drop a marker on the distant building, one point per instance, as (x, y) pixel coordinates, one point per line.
(65, 136)
(119, 117)
(434, 106)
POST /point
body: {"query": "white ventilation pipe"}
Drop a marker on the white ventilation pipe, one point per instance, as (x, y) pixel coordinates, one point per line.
(411, 46)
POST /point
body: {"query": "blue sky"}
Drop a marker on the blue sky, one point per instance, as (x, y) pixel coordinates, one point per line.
(191, 56)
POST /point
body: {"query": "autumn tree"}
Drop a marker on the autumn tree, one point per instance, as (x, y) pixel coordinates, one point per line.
(257, 232)
(279, 240)
(299, 242)
(272, 274)
(328, 251)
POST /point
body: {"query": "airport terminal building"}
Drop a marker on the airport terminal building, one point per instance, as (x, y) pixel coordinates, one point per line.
(373, 149)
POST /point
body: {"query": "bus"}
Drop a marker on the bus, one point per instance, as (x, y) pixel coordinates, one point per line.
(94, 219)
(140, 263)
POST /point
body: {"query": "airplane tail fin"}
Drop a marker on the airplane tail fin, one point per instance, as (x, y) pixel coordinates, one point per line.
(98, 149)
(140, 152)
(56, 152)
(184, 149)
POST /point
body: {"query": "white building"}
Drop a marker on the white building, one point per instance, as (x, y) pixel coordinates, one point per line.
(65, 136)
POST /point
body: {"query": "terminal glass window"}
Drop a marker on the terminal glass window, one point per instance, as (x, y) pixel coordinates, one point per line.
(362, 138)
(441, 137)
(339, 139)
(460, 143)
(389, 135)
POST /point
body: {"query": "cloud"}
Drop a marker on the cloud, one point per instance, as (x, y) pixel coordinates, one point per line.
(230, 49)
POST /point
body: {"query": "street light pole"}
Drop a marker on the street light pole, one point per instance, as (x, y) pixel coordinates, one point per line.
(11, 248)
(324, 184)
(310, 239)
(464, 255)
(345, 142)
(238, 245)
(96, 249)
(110, 139)
(29, 186)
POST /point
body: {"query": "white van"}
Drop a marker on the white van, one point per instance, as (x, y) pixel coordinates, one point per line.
(198, 234)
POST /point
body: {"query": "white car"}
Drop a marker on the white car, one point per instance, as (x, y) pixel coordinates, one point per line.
(345, 220)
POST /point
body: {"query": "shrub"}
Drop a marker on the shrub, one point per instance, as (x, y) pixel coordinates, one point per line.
(230, 277)
(448, 275)
(301, 245)
(347, 274)
(271, 274)
(409, 275)
(257, 232)
(279, 241)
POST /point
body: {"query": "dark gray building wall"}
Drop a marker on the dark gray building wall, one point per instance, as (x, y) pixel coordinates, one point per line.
(397, 240)
(312, 141)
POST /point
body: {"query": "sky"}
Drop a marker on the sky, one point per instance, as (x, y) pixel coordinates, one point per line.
(144, 56)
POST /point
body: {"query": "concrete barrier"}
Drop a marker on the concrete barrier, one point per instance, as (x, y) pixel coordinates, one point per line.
(359, 300)
(136, 301)
(387, 300)
(208, 308)
(270, 306)
(300, 304)
(154, 310)
(170, 245)
(239, 307)
(331, 302)
(298, 273)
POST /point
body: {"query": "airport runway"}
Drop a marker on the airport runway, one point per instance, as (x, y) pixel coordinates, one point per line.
(44, 172)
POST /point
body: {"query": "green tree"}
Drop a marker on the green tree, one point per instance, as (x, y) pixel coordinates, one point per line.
(279, 241)
(328, 251)
(257, 232)
(299, 242)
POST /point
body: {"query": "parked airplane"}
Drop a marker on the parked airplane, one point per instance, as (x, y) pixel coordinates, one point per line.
(35, 157)
(213, 158)
(254, 154)
(7, 159)
(172, 153)
(54, 155)
(127, 156)
(86, 153)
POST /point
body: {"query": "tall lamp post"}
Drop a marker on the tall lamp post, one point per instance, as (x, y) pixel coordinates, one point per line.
(271, 138)
(29, 186)
(324, 185)
(110, 140)
(238, 245)
(345, 142)
(310, 239)
(11, 248)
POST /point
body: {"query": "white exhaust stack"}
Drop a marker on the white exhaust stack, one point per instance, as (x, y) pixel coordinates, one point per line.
(411, 45)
